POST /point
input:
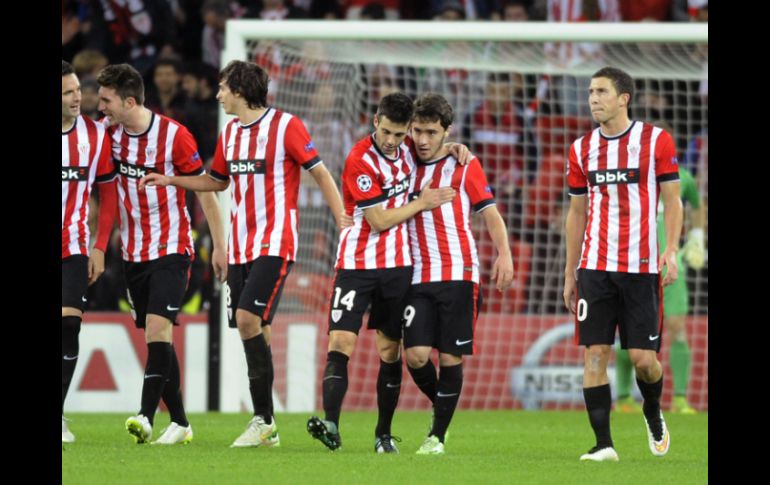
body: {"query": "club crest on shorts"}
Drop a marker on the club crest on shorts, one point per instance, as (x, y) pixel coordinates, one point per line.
(336, 315)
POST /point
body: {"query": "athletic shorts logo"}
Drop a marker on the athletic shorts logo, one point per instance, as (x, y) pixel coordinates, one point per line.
(652, 339)
(364, 183)
(462, 342)
(336, 315)
(172, 308)
(259, 303)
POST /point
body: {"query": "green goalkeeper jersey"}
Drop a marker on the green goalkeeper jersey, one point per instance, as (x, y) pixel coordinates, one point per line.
(689, 191)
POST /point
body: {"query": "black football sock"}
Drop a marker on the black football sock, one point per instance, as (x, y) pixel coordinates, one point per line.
(598, 404)
(257, 361)
(155, 374)
(388, 390)
(172, 392)
(70, 346)
(426, 379)
(450, 383)
(335, 385)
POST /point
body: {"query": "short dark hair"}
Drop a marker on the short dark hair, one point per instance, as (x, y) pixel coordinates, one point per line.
(125, 80)
(173, 63)
(248, 80)
(432, 107)
(397, 107)
(622, 81)
(66, 68)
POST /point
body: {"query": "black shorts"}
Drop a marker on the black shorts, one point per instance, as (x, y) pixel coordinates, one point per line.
(442, 315)
(355, 289)
(629, 300)
(256, 287)
(157, 286)
(74, 281)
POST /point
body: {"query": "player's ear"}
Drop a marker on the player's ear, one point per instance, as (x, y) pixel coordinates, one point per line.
(375, 121)
(448, 132)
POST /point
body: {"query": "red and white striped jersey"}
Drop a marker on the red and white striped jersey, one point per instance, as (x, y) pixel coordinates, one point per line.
(443, 247)
(154, 222)
(263, 159)
(370, 178)
(622, 177)
(85, 158)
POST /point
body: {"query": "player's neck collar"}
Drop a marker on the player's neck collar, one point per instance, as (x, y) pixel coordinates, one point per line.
(143, 132)
(386, 157)
(256, 121)
(619, 135)
(72, 127)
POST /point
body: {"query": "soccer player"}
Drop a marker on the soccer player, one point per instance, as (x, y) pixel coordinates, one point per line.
(261, 152)
(156, 242)
(615, 174)
(373, 266)
(85, 159)
(444, 299)
(675, 305)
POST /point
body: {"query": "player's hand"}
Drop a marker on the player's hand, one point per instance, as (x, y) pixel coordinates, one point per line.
(570, 288)
(694, 251)
(432, 198)
(154, 179)
(461, 152)
(344, 221)
(502, 272)
(219, 264)
(668, 262)
(95, 265)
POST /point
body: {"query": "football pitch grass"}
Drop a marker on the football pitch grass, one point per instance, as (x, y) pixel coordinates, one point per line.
(483, 447)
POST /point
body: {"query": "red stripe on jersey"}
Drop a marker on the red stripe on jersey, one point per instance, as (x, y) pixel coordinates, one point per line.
(605, 208)
(162, 192)
(144, 204)
(251, 205)
(624, 201)
(237, 195)
(422, 248)
(644, 197)
(585, 145)
(72, 139)
(272, 135)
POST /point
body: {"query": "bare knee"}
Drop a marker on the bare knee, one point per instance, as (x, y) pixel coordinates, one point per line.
(449, 360)
(645, 362)
(596, 358)
(249, 325)
(389, 350)
(157, 329)
(342, 341)
(417, 357)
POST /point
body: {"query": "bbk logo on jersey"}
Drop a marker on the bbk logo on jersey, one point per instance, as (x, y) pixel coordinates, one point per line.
(247, 167)
(398, 188)
(133, 171)
(74, 174)
(364, 183)
(614, 176)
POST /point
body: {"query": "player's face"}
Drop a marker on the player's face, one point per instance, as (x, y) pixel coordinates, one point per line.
(389, 135)
(226, 98)
(604, 100)
(70, 96)
(429, 137)
(112, 106)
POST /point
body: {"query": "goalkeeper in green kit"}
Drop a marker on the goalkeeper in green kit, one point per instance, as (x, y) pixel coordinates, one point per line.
(675, 307)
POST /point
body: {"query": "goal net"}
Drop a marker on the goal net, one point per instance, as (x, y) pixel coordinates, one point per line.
(520, 98)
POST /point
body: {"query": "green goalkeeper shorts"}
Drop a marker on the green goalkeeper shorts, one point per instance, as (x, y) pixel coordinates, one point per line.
(675, 296)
